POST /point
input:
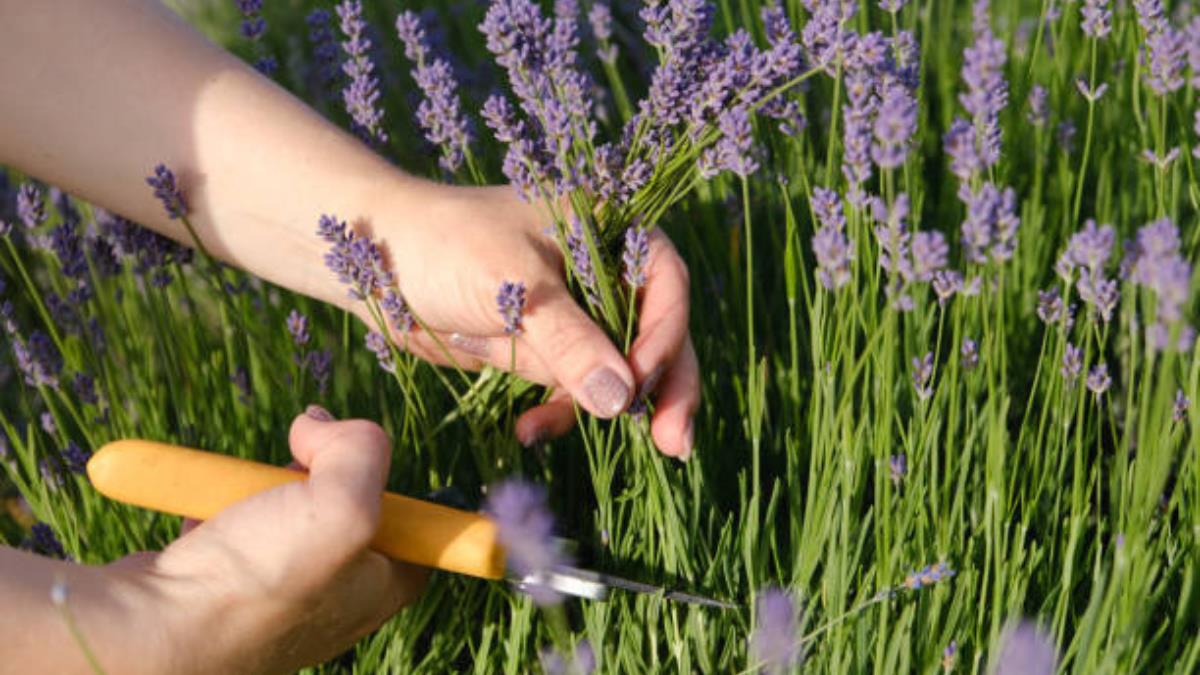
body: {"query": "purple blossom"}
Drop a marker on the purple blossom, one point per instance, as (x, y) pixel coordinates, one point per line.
(893, 237)
(1154, 262)
(297, 327)
(1091, 247)
(378, 344)
(635, 256)
(950, 656)
(929, 254)
(897, 468)
(38, 359)
(969, 354)
(1179, 412)
(1163, 57)
(43, 542)
(959, 144)
(1096, 18)
(1039, 110)
(987, 92)
(324, 48)
(895, 123)
(320, 364)
(827, 206)
(1025, 650)
(1098, 379)
(922, 375)
(1064, 135)
(1150, 15)
(67, 246)
(733, 151)
(857, 135)
(945, 284)
(892, 6)
(440, 113)
(990, 227)
(526, 530)
(1161, 163)
(1090, 92)
(775, 644)
(354, 258)
(581, 261)
(149, 251)
(834, 254)
(361, 93)
(85, 389)
(396, 310)
(1098, 292)
(75, 458)
(928, 576)
(31, 208)
(510, 301)
(600, 18)
(48, 424)
(167, 191)
(1072, 363)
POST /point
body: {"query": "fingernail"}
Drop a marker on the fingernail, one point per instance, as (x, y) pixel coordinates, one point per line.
(687, 442)
(472, 344)
(537, 437)
(650, 383)
(606, 390)
(318, 413)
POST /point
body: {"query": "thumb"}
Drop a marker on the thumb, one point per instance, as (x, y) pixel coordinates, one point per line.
(578, 353)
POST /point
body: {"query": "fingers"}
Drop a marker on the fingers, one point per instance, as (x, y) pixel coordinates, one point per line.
(546, 421)
(663, 317)
(675, 408)
(577, 352)
(347, 464)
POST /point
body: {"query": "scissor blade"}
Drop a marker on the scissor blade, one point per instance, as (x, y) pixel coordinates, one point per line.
(595, 585)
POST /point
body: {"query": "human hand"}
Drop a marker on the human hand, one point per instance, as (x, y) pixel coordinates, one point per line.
(454, 248)
(284, 579)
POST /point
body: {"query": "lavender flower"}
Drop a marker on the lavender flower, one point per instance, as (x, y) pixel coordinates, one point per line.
(600, 18)
(526, 530)
(732, 151)
(1097, 18)
(1039, 110)
(354, 258)
(922, 376)
(297, 327)
(38, 359)
(969, 354)
(1154, 262)
(581, 662)
(75, 458)
(946, 283)
(361, 94)
(959, 144)
(581, 261)
(320, 364)
(1064, 136)
(928, 576)
(825, 37)
(31, 209)
(893, 237)
(929, 254)
(1150, 15)
(1163, 56)
(892, 6)
(439, 114)
(1161, 163)
(990, 227)
(1025, 650)
(379, 346)
(1098, 379)
(1072, 363)
(775, 644)
(510, 301)
(987, 92)
(834, 254)
(895, 123)
(253, 27)
(1179, 412)
(48, 425)
(43, 541)
(167, 191)
(897, 468)
(1193, 47)
(396, 310)
(637, 253)
(85, 389)
(950, 656)
(324, 48)
(1091, 247)
(1090, 92)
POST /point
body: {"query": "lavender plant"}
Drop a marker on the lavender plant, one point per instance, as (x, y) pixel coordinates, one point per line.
(942, 262)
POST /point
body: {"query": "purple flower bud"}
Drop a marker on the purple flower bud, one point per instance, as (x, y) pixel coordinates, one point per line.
(1072, 363)
(526, 530)
(1089, 92)
(892, 6)
(397, 312)
(510, 301)
(1097, 18)
(31, 209)
(361, 94)
(1039, 110)
(929, 252)
(1150, 15)
(959, 144)
(834, 253)
(75, 458)
(166, 191)
(1064, 135)
(600, 18)
(1098, 380)
(354, 258)
(38, 359)
(897, 468)
(928, 576)
(378, 344)
(1161, 163)
(85, 389)
(43, 542)
(733, 150)
(895, 123)
(297, 327)
(439, 114)
(1025, 650)
(320, 364)
(637, 253)
(969, 354)
(945, 284)
(950, 656)
(1163, 57)
(1182, 402)
(923, 376)
(324, 48)
(775, 644)
(48, 425)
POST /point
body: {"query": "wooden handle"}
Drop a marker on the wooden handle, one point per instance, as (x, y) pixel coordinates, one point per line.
(200, 485)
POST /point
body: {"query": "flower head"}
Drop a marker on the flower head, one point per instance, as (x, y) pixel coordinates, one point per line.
(1163, 56)
(361, 94)
(928, 576)
(297, 327)
(1182, 402)
(834, 254)
(440, 113)
(31, 208)
(510, 301)
(526, 530)
(1098, 379)
(1097, 18)
(75, 458)
(324, 48)
(775, 645)
(38, 359)
(355, 259)
(378, 344)
(922, 375)
(1072, 363)
(897, 468)
(396, 310)
(167, 191)
(635, 256)
(1026, 650)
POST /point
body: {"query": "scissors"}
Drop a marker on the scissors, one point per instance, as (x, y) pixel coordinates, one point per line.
(197, 484)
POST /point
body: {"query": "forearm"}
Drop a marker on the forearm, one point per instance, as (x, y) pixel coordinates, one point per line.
(95, 93)
(113, 613)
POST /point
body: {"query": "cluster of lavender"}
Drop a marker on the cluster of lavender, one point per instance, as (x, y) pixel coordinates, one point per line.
(253, 27)
(526, 530)
(439, 114)
(317, 362)
(361, 93)
(324, 68)
(775, 644)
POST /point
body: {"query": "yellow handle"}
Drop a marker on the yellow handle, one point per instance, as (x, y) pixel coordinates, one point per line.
(199, 485)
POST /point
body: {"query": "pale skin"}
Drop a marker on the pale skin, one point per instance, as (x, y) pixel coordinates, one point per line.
(94, 94)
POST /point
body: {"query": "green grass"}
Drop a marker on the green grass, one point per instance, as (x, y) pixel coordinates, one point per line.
(1079, 512)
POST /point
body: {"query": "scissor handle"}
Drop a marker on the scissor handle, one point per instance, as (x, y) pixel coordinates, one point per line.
(199, 485)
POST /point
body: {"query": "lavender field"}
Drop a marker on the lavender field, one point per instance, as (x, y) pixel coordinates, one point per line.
(941, 260)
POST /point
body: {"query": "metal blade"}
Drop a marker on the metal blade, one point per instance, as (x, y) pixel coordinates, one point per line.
(595, 586)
